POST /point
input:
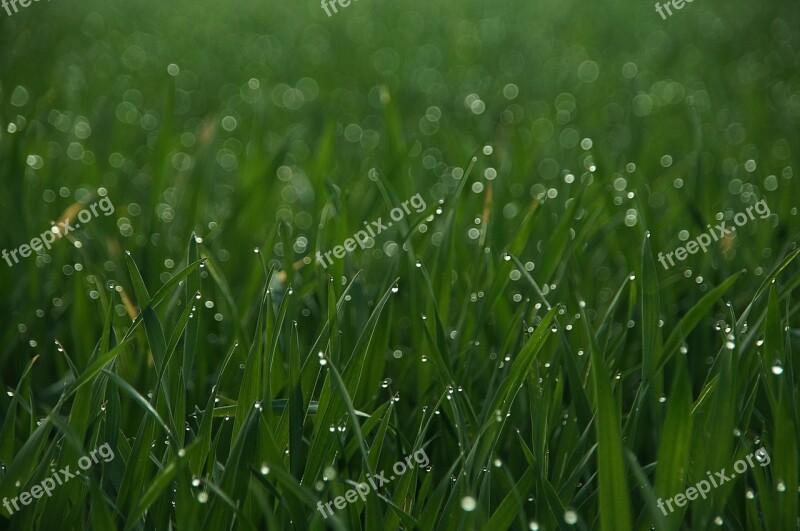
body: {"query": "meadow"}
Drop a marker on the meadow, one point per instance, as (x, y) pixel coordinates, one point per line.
(518, 330)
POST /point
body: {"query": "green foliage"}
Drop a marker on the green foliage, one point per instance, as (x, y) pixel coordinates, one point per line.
(519, 329)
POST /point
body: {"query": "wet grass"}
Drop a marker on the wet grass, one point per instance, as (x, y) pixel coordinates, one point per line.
(519, 330)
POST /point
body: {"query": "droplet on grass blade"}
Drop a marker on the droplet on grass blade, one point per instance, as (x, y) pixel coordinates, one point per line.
(468, 503)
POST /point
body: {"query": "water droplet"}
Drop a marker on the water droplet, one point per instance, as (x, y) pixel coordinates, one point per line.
(468, 503)
(196, 482)
(395, 289)
(718, 520)
(777, 370)
(264, 469)
(329, 473)
(571, 517)
(202, 497)
(749, 494)
(781, 486)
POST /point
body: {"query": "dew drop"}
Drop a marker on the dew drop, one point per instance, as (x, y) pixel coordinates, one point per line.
(468, 503)
(571, 517)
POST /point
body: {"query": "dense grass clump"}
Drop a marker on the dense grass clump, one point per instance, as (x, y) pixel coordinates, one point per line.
(515, 338)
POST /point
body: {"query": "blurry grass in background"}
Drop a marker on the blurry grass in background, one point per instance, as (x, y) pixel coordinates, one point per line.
(272, 126)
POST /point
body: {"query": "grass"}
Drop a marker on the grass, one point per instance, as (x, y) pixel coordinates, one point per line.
(520, 330)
